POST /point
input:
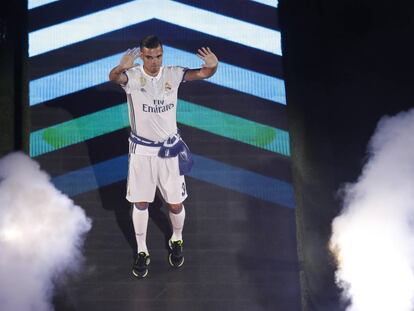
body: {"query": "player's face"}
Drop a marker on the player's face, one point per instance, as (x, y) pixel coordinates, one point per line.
(152, 59)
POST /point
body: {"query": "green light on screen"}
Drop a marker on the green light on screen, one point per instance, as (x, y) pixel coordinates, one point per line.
(115, 118)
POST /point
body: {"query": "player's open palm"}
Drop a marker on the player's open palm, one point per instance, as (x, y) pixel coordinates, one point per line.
(128, 59)
(209, 58)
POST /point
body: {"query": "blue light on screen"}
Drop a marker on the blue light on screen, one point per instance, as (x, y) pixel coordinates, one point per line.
(96, 72)
(208, 170)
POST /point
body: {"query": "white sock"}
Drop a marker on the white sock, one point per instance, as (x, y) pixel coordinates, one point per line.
(140, 221)
(177, 222)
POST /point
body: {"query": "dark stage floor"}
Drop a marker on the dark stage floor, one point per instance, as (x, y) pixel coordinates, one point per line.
(240, 244)
(240, 255)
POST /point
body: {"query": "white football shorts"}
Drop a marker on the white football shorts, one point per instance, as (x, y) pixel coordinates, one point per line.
(147, 172)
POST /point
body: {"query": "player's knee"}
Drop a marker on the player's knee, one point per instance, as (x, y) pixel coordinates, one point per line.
(141, 205)
(175, 208)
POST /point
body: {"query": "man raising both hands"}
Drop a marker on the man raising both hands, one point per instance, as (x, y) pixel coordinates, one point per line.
(158, 157)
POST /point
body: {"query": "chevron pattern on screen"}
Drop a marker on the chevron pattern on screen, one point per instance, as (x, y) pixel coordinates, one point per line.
(77, 114)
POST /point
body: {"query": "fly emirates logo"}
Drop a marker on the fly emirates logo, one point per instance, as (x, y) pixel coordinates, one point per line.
(158, 107)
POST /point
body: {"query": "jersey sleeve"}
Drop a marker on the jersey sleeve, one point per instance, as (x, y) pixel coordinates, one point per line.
(178, 73)
(132, 82)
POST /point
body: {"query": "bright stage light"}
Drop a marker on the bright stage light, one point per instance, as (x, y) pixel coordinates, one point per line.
(371, 262)
(373, 238)
(41, 234)
(11, 234)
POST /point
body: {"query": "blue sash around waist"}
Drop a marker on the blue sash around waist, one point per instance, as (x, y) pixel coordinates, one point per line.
(174, 146)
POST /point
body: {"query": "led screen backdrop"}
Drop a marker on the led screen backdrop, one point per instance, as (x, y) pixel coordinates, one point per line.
(235, 123)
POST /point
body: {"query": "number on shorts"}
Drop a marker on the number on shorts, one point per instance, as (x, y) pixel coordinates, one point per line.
(183, 186)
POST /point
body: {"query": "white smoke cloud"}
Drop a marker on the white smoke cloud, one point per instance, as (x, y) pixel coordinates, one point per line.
(41, 234)
(373, 238)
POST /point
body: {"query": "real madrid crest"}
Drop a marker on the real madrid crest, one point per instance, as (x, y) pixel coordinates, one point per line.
(167, 87)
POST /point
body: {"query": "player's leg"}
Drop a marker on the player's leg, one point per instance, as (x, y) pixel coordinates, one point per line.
(140, 222)
(141, 191)
(173, 188)
(177, 217)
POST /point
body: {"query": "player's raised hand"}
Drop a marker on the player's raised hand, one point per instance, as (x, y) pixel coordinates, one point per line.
(128, 59)
(209, 58)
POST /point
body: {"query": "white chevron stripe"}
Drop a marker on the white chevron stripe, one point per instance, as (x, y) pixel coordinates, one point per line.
(273, 3)
(31, 4)
(89, 26)
(94, 73)
(134, 12)
(221, 26)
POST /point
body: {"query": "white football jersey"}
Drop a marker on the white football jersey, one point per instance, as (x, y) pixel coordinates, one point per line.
(152, 101)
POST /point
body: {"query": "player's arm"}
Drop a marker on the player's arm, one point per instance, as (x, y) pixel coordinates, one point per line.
(209, 67)
(117, 74)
